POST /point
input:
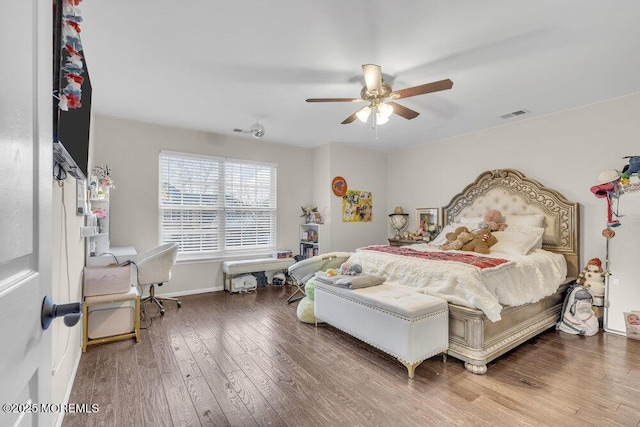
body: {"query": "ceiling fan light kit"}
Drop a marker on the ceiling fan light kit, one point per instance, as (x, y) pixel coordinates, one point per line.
(257, 130)
(380, 96)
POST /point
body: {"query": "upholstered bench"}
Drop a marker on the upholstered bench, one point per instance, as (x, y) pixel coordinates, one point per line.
(398, 320)
(231, 268)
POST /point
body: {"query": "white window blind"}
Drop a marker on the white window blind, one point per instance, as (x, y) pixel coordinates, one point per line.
(211, 205)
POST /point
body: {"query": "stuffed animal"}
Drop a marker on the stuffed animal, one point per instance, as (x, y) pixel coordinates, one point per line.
(592, 278)
(493, 218)
(350, 270)
(457, 239)
(481, 242)
(633, 166)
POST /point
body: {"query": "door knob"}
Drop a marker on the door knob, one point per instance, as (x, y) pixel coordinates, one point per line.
(70, 312)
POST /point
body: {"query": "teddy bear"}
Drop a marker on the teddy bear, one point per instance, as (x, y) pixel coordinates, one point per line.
(457, 239)
(493, 219)
(592, 278)
(481, 242)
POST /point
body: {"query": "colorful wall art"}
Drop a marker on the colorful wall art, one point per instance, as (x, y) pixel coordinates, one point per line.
(357, 206)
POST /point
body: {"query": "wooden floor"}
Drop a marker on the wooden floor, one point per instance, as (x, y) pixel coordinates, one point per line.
(246, 360)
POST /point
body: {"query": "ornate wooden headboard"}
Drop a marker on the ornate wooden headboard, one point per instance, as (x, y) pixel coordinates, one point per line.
(510, 192)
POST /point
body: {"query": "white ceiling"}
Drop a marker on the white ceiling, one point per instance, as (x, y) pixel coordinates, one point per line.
(215, 66)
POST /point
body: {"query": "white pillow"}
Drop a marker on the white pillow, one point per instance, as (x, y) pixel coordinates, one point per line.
(513, 242)
(536, 220)
(441, 238)
(450, 228)
(472, 222)
(537, 231)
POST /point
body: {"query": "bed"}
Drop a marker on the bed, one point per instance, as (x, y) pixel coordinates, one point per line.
(475, 336)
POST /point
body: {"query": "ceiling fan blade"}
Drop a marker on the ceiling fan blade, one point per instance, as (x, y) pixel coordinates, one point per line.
(422, 89)
(334, 99)
(372, 77)
(350, 119)
(403, 111)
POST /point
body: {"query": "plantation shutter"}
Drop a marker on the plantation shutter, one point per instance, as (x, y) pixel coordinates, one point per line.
(212, 205)
(250, 205)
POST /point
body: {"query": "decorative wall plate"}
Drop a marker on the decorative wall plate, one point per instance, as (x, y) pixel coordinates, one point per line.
(339, 186)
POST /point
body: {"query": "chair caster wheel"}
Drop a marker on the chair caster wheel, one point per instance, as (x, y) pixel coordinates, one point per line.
(179, 304)
(162, 312)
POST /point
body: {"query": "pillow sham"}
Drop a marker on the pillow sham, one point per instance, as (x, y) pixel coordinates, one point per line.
(537, 231)
(472, 222)
(514, 242)
(536, 220)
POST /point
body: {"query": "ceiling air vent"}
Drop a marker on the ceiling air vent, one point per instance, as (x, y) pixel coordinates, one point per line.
(514, 114)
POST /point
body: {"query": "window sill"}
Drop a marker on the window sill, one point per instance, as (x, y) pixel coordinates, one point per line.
(211, 257)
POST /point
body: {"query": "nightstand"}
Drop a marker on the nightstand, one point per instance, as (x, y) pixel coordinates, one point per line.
(401, 242)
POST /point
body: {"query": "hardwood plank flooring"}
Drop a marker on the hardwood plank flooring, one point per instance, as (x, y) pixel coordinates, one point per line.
(246, 360)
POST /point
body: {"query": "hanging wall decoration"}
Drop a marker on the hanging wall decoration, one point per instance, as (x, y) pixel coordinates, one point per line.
(72, 69)
(357, 206)
(339, 186)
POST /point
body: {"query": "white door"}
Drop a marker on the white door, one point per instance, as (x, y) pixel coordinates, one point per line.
(25, 209)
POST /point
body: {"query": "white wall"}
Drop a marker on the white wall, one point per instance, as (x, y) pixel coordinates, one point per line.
(67, 266)
(565, 151)
(363, 170)
(131, 150)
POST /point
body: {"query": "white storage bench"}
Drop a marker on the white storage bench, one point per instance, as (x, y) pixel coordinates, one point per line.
(406, 324)
(231, 268)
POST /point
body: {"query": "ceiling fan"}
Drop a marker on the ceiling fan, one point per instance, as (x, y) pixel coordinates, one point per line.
(377, 94)
(256, 130)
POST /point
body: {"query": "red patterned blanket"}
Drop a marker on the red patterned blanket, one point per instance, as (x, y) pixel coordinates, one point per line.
(470, 259)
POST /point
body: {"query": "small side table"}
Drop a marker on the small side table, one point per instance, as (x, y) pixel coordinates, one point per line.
(401, 242)
(112, 322)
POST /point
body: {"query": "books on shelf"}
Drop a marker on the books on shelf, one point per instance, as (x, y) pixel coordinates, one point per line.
(632, 324)
(310, 251)
(309, 236)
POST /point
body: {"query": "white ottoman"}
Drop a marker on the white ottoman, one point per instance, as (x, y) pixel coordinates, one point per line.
(406, 324)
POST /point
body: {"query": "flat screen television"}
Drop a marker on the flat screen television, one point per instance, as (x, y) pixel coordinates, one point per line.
(70, 128)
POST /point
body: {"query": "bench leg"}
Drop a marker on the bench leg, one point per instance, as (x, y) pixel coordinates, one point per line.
(224, 282)
(411, 367)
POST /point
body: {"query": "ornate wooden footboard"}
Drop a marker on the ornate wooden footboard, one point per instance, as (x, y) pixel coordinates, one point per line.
(472, 337)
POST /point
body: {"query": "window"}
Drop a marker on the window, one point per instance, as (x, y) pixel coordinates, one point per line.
(213, 206)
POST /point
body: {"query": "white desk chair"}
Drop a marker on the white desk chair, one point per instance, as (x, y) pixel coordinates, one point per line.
(154, 268)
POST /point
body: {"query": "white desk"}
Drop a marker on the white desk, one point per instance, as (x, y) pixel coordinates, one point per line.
(122, 254)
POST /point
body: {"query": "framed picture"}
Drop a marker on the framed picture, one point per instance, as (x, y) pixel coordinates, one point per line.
(428, 216)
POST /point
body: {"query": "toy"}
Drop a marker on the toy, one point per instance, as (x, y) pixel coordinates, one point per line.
(608, 188)
(625, 179)
(481, 242)
(493, 218)
(592, 278)
(457, 239)
(350, 270)
(633, 166)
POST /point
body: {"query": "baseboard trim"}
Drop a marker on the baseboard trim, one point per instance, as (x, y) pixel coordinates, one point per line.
(67, 393)
(192, 292)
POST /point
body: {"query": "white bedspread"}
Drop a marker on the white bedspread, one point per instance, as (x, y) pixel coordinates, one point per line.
(528, 279)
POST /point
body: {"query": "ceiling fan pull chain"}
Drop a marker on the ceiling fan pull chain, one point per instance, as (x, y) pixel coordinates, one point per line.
(374, 118)
(374, 115)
